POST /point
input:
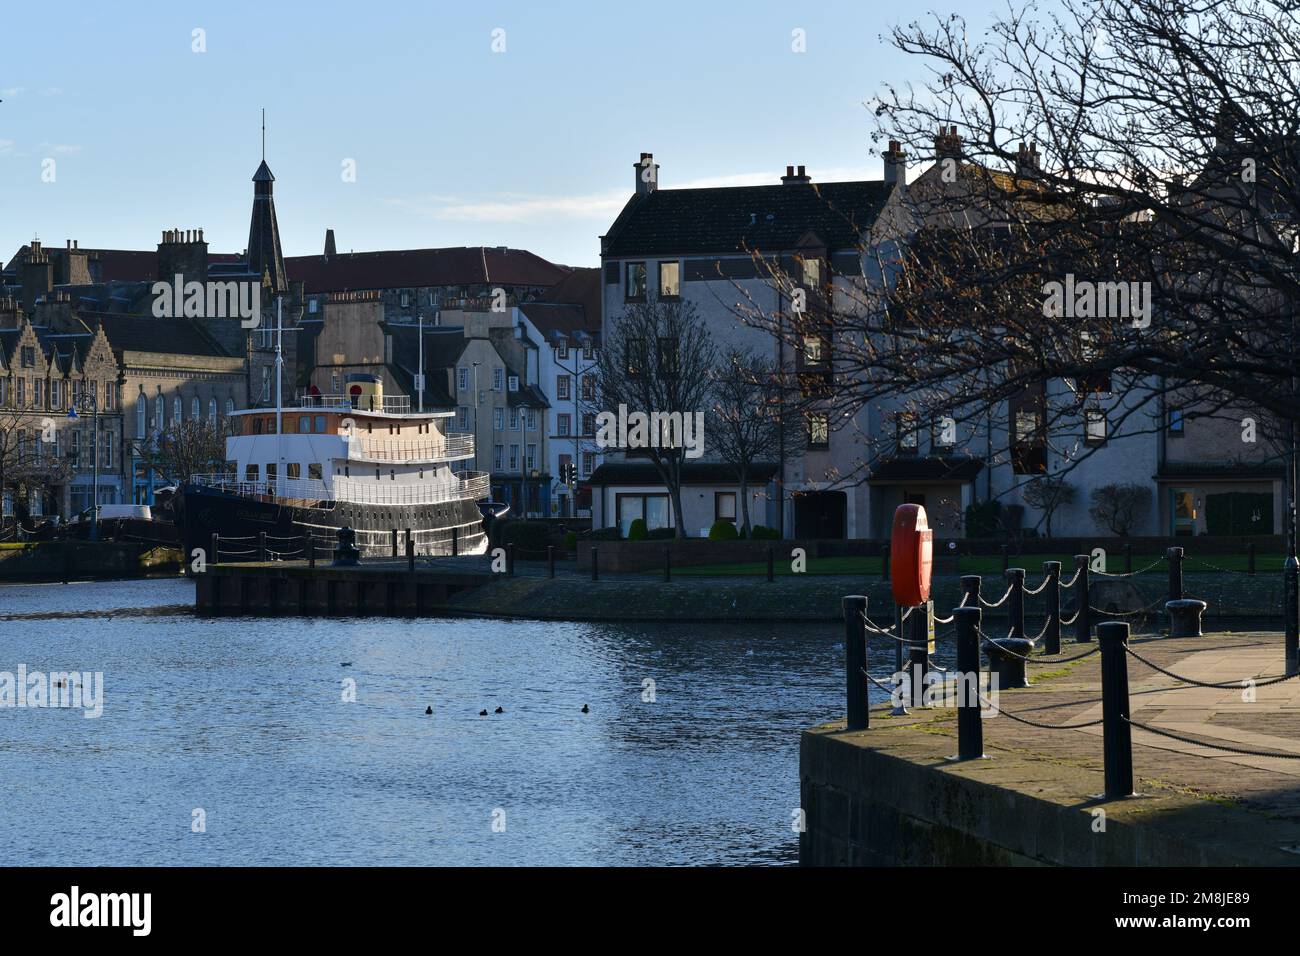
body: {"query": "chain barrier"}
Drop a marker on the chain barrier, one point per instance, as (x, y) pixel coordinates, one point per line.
(1066, 585)
(1000, 601)
(1226, 685)
(1032, 723)
(1215, 567)
(1065, 623)
(1145, 610)
(1129, 574)
(1038, 589)
(1244, 751)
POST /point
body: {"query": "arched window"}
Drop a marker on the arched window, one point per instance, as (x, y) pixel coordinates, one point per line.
(212, 409)
(230, 406)
(178, 408)
(159, 413)
(194, 407)
(141, 414)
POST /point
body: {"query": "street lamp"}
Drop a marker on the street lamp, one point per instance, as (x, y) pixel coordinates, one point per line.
(91, 403)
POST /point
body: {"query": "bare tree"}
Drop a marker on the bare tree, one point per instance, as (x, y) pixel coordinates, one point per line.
(656, 361)
(1047, 494)
(1117, 507)
(747, 418)
(28, 461)
(186, 448)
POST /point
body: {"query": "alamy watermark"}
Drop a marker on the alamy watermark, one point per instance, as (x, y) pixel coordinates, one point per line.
(1084, 299)
(64, 689)
(624, 429)
(208, 300)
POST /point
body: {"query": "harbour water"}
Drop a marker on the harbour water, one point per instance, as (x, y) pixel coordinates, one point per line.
(243, 725)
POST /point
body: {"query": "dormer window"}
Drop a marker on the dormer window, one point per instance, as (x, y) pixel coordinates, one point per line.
(812, 273)
(512, 383)
(562, 351)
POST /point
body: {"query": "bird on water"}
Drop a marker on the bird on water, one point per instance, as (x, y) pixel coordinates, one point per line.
(586, 709)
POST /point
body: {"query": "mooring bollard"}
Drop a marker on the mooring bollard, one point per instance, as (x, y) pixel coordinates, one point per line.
(918, 653)
(410, 552)
(595, 575)
(771, 565)
(1291, 612)
(1185, 617)
(970, 726)
(550, 560)
(510, 559)
(1052, 639)
(855, 661)
(215, 556)
(261, 545)
(1175, 558)
(668, 564)
(884, 562)
(1083, 619)
(1016, 601)
(1117, 742)
(455, 542)
(393, 541)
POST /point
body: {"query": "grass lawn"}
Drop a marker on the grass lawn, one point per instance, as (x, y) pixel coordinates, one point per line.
(988, 564)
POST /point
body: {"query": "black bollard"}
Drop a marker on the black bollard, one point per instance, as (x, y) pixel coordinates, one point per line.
(1117, 743)
(392, 534)
(970, 590)
(550, 560)
(970, 726)
(595, 575)
(410, 552)
(1082, 620)
(510, 559)
(1016, 602)
(668, 564)
(261, 545)
(1175, 558)
(1052, 639)
(215, 556)
(855, 661)
(1291, 612)
(771, 568)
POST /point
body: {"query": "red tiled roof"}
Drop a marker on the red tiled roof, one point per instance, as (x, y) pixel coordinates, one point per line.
(415, 268)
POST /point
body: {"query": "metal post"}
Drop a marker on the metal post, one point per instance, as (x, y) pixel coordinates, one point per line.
(261, 545)
(1117, 743)
(392, 534)
(771, 573)
(918, 652)
(668, 564)
(410, 552)
(1128, 559)
(550, 560)
(1291, 612)
(595, 575)
(455, 542)
(1175, 558)
(855, 661)
(1052, 639)
(215, 556)
(1250, 558)
(1083, 619)
(970, 590)
(970, 726)
(510, 559)
(1016, 602)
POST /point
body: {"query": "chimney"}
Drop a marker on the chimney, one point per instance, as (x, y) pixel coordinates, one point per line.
(895, 164)
(37, 276)
(647, 174)
(1225, 126)
(183, 252)
(330, 249)
(72, 265)
(1027, 160)
(793, 178)
(947, 144)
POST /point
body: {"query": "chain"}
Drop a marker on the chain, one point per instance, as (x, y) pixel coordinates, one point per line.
(984, 700)
(1201, 743)
(1065, 623)
(1148, 608)
(999, 602)
(1261, 682)
(1065, 585)
(1046, 581)
(1129, 574)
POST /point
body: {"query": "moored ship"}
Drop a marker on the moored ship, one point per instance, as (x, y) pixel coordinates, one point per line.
(362, 460)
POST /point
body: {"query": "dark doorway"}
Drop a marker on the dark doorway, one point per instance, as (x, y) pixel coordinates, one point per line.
(820, 514)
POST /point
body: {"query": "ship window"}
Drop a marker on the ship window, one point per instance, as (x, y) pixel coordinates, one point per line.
(421, 474)
(304, 424)
(392, 475)
(347, 471)
(257, 426)
(250, 473)
(320, 423)
(271, 469)
(315, 471)
(293, 470)
(376, 474)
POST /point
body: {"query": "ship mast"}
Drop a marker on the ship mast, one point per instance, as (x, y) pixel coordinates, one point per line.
(419, 378)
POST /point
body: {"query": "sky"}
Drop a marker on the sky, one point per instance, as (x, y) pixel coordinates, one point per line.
(452, 143)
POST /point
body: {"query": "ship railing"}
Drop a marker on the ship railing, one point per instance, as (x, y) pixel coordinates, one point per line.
(454, 446)
(470, 486)
(389, 404)
(297, 489)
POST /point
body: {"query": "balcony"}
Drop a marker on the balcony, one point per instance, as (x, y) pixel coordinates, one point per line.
(454, 447)
(388, 405)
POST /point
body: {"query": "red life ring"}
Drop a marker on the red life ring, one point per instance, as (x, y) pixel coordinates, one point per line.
(911, 556)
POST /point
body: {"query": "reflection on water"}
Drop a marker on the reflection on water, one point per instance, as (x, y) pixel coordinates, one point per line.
(244, 719)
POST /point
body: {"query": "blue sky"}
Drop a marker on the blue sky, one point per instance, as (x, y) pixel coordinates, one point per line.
(453, 144)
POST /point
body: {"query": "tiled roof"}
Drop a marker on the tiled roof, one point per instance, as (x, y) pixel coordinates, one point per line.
(419, 268)
(767, 218)
(133, 333)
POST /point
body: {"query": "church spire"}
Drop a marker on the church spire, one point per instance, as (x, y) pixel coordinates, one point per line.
(264, 255)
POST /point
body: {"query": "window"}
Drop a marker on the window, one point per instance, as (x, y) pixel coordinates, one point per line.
(320, 420)
(588, 353)
(812, 273)
(304, 424)
(588, 388)
(635, 288)
(498, 379)
(462, 379)
(514, 458)
(178, 408)
(906, 436)
(562, 351)
(498, 453)
(724, 506)
(271, 471)
(499, 419)
(212, 409)
(530, 457)
(38, 393)
(589, 423)
(160, 413)
(312, 306)
(4, 391)
(141, 426)
(818, 430)
(812, 349)
(562, 387)
(1175, 421)
(29, 356)
(75, 453)
(1026, 427)
(315, 471)
(532, 419)
(406, 299)
(562, 423)
(512, 383)
(250, 473)
(334, 383)
(667, 357)
(462, 418)
(109, 400)
(194, 407)
(56, 394)
(20, 393)
(1094, 426)
(293, 470)
(514, 419)
(107, 439)
(670, 280)
(588, 462)
(652, 508)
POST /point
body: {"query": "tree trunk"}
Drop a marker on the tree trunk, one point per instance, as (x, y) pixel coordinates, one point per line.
(744, 502)
(679, 519)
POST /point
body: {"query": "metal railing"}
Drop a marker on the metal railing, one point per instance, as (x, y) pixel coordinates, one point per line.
(389, 404)
(469, 486)
(454, 446)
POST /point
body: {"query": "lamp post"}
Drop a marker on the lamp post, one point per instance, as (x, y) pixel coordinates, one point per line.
(91, 403)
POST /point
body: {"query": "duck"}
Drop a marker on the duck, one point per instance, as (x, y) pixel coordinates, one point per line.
(499, 710)
(428, 711)
(586, 709)
(482, 713)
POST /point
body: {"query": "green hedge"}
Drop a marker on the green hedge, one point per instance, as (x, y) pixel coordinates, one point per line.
(723, 531)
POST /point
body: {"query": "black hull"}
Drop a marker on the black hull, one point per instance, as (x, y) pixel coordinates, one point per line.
(239, 521)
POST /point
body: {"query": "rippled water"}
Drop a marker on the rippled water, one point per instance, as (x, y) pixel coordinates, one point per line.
(244, 718)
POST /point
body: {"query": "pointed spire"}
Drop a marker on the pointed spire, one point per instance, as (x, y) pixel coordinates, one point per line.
(264, 253)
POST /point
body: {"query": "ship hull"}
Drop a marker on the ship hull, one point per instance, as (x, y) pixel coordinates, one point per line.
(240, 520)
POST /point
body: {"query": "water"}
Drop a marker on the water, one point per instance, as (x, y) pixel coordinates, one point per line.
(244, 719)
